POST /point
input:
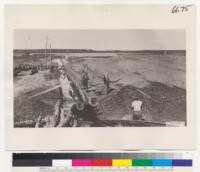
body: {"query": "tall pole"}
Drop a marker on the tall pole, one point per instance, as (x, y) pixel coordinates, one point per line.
(46, 49)
(50, 54)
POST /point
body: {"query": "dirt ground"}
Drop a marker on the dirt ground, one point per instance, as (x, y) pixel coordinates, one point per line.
(161, 77)
(26, 85)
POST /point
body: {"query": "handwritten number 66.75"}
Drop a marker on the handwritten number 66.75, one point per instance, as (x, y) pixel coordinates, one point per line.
(178, 9)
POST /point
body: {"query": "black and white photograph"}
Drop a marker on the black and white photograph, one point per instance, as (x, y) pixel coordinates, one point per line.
(99, 78)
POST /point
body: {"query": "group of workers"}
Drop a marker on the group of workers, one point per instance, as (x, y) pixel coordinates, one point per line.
(136, 104)
(85, 81)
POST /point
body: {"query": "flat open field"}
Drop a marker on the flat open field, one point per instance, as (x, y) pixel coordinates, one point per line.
(159, 77)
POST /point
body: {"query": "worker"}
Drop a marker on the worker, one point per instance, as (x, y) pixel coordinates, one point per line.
(106, 81)
(85, 79)
(82, 78)
(136, 106)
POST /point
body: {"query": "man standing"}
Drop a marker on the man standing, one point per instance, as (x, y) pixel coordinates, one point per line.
(86, 81)
(106, 81)
(136, 106)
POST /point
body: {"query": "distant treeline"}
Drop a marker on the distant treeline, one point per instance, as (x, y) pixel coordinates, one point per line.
(95, 51)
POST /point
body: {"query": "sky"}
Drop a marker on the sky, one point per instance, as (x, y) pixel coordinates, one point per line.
(101, 39)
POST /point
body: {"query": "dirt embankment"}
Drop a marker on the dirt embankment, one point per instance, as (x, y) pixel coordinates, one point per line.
(165, 103)
(26, 108)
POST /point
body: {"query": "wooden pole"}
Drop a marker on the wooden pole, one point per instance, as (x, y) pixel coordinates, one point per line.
(46, 49)
(50, 54)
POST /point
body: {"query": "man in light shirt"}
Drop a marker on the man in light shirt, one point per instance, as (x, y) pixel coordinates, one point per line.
(136, 106)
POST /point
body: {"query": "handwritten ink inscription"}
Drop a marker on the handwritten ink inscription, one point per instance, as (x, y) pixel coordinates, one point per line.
(180, 8)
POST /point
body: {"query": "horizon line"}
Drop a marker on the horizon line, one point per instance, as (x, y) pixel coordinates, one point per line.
(98, 50)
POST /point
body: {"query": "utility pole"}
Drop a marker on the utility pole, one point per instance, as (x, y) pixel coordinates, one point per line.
(46, 42)
(50, 54)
